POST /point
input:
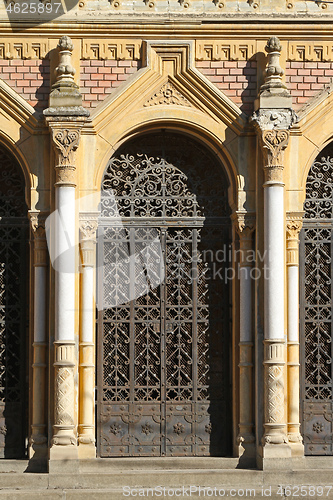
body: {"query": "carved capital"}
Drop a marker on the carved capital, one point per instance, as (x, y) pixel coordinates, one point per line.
(273, 143)
(245, 225)
(37, 221)
(88, 228)
(293, 228)
(65, 143)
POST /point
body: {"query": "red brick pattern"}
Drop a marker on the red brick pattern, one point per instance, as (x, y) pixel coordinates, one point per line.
(305, 79)
(99, 78)
(30, 79)
(237, 79)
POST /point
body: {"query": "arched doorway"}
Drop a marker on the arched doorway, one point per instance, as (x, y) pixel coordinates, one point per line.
(316, 307)
(13, 308)
(164, 322)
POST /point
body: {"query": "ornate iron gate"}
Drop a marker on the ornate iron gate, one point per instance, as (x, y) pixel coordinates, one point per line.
(13, 327)
(163, 326)
(316, 307)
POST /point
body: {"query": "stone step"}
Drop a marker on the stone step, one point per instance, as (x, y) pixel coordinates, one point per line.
(118, 494)
(168, 478)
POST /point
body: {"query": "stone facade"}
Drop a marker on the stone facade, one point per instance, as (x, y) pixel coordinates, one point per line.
(73, 90)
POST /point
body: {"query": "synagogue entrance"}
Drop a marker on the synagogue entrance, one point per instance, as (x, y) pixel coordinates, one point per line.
(163, 298)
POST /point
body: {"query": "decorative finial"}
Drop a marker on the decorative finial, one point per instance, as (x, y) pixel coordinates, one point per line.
(65, 70)
(273, 72)
(65, 98)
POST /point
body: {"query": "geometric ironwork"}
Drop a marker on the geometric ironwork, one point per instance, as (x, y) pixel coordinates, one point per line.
(316, 307)
(13, 314)
(163, 351)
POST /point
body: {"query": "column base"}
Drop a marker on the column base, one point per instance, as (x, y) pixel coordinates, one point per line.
(87, 451)
(275, 457)
(297, 449)
(59, 452)
(247, 455)
(37, 451)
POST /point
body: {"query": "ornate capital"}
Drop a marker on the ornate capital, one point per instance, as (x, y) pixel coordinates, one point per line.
(37, 221)
(273, 143)
(65, 142)
(245, 224)
(88, 228)
(293, 228)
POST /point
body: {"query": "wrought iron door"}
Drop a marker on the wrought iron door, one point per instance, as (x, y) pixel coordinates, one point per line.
(13, 327)
(316, 307)
(163, 327)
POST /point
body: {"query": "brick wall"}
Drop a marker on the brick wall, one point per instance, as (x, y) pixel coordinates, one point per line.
(99, 78)
(305, 79)
(30, 79)
(237, 79)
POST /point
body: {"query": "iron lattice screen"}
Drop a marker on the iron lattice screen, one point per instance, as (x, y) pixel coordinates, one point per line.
(316, 307)
(163, 383)
(13, 283)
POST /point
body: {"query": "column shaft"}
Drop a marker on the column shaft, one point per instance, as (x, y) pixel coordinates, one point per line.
(294, 224)
(38, 438)
(87, 348)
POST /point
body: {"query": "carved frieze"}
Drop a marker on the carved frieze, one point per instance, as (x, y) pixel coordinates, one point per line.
(168, 94)
(219, 50)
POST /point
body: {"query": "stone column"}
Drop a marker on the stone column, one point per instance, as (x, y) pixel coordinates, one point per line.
(38, 448)
(273, 144)
(245, 226)
(273, 119)
(294, 225)
(65, 117)
(88, 228)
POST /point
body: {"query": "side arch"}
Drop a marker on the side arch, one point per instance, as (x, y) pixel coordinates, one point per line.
(14, 251)
(316, 334)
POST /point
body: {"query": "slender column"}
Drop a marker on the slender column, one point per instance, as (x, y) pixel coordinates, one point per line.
(245, 227)
(65, 142)
(38, 439)
(273, 119)
(65, 117)
(273, 144)
(88, 228)
(294, 225)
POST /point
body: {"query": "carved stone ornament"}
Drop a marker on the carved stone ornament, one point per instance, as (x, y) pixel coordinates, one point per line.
(294, 227)
(245, 223)
(37, 222)
(274, 142)
(66, 142)
(168, 94)
(88, 228)
(269, 119)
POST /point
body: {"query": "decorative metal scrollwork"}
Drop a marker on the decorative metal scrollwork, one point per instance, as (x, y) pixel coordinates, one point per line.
(164, 349)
